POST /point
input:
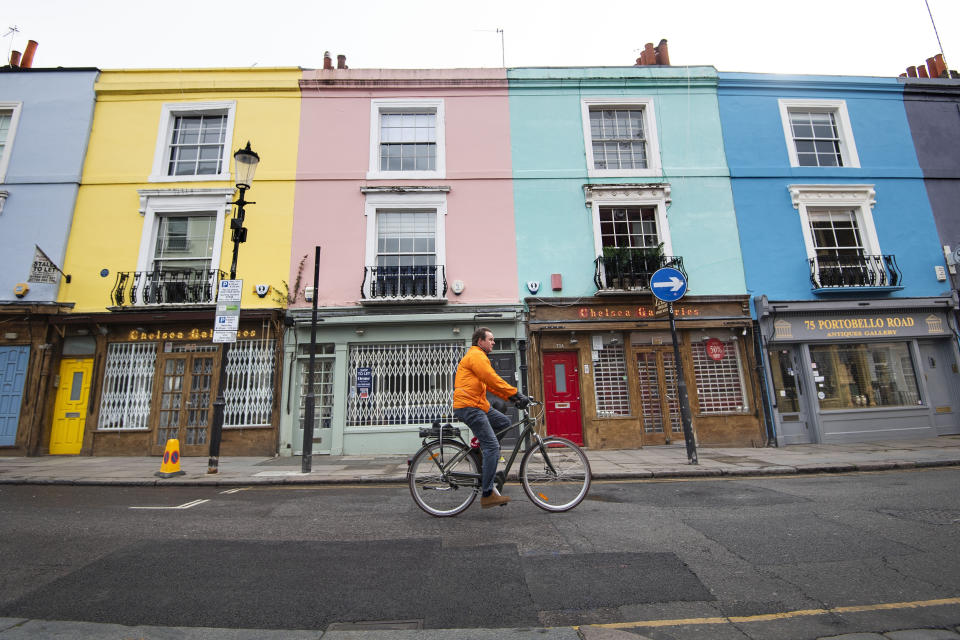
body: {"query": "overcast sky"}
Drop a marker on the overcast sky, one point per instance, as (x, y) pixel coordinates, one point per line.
(833, 37)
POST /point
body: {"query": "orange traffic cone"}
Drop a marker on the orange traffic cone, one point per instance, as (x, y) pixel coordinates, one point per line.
(170, 466)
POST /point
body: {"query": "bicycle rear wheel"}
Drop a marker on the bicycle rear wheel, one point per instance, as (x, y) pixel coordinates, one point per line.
(433, 491)
(555, 476)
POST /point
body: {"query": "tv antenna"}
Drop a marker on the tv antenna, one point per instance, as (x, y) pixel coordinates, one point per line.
(503, 57)
(940, 44)
(10, 31)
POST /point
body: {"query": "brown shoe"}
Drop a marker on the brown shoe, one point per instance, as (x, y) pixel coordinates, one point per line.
(493, 500)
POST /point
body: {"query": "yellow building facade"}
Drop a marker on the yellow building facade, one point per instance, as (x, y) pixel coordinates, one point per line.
(150, 242)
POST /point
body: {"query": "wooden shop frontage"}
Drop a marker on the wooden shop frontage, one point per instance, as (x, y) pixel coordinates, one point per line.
(606, 371)
(127, 382)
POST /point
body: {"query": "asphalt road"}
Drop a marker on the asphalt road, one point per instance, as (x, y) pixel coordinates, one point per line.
(754, 551)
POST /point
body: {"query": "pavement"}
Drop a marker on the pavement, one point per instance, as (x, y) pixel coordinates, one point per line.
(652, 462)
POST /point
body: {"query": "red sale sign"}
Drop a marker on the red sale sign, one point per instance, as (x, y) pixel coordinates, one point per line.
(716, 349)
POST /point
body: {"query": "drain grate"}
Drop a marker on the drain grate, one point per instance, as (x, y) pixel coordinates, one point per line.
(377, 625)
(928, 516)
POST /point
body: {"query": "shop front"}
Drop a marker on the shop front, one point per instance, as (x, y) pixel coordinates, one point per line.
(380, 375)
(130, 382)
(607, 373)
(852, 371)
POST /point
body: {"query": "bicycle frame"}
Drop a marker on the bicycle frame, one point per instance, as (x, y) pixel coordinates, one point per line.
(529, 423)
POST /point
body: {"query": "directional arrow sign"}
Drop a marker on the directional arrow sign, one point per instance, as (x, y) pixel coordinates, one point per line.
(668, 284)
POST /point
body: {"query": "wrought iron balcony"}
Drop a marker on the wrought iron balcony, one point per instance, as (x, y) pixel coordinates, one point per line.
(630, 269)
(849, 272)
(426, 282)
(143, 288)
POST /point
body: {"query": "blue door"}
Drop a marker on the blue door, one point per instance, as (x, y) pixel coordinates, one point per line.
(13, 372)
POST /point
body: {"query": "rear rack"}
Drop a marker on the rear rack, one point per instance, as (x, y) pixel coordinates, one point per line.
(436, 431)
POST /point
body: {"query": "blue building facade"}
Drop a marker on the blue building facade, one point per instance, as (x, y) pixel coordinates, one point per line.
(617, 172)
(842, 258)
(45, 119)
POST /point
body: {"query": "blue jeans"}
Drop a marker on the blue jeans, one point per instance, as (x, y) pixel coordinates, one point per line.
(484, 426)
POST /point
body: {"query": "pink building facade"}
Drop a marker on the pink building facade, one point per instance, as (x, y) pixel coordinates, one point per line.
(404, 181)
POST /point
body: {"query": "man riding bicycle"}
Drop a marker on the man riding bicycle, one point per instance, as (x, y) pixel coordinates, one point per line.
(475, 376)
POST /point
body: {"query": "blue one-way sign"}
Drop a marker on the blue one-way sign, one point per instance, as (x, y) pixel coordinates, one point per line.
(668, 284)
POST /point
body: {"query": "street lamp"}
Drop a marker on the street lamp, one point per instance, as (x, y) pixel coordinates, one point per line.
(246, 161)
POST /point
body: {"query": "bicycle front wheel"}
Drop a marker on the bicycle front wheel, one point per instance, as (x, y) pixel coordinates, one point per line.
(555, 474)
(431, 484)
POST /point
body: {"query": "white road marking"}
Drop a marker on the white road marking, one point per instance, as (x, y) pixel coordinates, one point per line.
(186, 505)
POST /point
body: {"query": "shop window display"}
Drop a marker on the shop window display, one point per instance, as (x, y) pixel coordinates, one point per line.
(859, 376)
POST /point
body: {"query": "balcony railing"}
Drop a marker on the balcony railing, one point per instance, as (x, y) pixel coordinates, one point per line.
(427, 282)
(143, 288)
(855, 271)
(631, 270)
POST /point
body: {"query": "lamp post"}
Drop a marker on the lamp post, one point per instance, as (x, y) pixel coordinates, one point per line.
(245, 162)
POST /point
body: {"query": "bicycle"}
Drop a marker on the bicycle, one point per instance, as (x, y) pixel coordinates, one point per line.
(444, 474)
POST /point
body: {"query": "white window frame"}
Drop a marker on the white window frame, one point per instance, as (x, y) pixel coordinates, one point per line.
(654, 168)
(435, 199)
(860, 198)
(168, 114)
(848, 149)
(156, 203)
(630, 195)
(15, 108)
(399, 105)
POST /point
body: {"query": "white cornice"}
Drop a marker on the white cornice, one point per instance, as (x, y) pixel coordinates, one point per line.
(832, 194)
(607, 193)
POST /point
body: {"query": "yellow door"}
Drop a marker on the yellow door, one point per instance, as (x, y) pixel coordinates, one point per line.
(70, 411)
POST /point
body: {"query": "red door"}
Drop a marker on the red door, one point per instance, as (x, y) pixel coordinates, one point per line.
(561, 384)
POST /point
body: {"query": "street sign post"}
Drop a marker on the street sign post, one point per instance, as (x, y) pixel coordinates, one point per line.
(227, 321)
(669, 285)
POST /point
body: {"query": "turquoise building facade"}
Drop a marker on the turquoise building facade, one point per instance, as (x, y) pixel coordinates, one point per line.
(619, 171)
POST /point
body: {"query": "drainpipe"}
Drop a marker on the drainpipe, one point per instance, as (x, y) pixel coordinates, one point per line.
(759, 345)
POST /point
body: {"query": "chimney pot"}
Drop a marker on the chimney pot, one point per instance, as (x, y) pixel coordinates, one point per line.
(14, 58)
(922, 72)
(911, 72)
(27, 61)
(327, 60)
(341, 61)
(663, 55)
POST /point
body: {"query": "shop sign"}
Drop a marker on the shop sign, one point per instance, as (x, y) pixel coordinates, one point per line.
(635, 313)
(153, 335)
(896, 325)
(716, 349)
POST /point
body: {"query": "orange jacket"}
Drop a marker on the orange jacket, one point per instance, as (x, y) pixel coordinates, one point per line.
(475, 376)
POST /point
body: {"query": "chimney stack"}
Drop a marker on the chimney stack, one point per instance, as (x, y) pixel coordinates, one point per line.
(327, 60)
(342, 62)
(27, 61)
(654, 55)
(936, 67)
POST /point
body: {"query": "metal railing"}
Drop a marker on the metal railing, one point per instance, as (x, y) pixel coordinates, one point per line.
(631, 270)
(404, 283)
(855, 271)
(143, 288)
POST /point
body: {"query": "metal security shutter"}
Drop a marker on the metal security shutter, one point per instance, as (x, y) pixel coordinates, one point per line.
(412, 382)
(127, 385)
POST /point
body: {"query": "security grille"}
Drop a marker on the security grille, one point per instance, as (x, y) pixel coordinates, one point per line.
(412, 383)
(249, 389)
(610, 381)
(127, 385)
(720, 387)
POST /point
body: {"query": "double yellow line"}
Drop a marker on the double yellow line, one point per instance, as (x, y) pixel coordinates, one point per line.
(785, 615)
